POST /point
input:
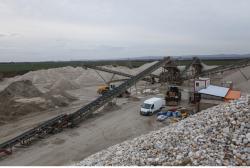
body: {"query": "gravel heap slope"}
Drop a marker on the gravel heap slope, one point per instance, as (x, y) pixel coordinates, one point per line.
(22, 97)
(240, 78)
(217, 136)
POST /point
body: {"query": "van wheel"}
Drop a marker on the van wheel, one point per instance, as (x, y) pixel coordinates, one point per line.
(151, 113)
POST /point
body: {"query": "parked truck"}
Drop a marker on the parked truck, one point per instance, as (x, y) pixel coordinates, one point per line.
(152, 105)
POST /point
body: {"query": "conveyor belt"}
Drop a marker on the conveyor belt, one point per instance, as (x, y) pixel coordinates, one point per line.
(108, 70)
(56, 124)
(195, 60)
(116, 72)
(78, 115)
(50, 126)
(240, 64)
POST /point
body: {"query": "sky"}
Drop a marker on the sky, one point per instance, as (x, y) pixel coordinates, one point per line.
(55, 30)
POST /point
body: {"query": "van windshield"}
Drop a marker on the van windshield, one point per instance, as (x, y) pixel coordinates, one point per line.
(146, 106)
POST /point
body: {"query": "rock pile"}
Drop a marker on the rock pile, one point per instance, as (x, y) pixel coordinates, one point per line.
(70, 78)
(239, 77)
(216, 136)
(22, 97)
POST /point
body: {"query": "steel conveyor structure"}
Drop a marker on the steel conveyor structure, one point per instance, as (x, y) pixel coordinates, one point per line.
(116, 72)
(184, 75)
(60, 122)
(240, 64)
(108, 70)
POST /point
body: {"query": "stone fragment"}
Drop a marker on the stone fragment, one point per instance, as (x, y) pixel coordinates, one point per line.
(226, 130)
(248, 136)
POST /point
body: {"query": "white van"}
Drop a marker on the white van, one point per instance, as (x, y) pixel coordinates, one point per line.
(151, 105)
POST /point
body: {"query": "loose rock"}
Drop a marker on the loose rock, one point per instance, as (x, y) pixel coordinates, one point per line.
(211, 137)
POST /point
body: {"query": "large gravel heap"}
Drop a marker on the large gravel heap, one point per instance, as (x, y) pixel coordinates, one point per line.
(239, 77)
(22, 97)
(217, 136)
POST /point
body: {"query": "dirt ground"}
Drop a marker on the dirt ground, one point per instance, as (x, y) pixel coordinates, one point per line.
(99, 132)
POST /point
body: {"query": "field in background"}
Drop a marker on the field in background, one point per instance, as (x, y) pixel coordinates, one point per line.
(12, 69)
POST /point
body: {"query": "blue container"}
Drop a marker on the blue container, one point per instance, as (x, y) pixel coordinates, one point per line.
(169, 113)
(162, 113)
(178, 114)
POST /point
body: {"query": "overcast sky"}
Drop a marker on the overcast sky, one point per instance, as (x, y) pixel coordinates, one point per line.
(40, 30)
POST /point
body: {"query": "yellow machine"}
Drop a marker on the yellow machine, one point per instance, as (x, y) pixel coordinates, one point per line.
(103, 89)
(184, 112)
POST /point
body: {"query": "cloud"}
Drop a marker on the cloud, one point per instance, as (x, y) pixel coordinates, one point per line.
(114, 28)
(9, 35)
(2, 35)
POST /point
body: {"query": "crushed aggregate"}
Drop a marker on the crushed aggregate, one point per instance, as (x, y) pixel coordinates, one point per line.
(216, 136)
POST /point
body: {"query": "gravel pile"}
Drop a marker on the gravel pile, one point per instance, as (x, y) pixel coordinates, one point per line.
(22, 97)
(240, 78)
(217, 136)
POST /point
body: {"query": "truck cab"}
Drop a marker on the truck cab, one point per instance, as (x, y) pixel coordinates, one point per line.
(150, 106)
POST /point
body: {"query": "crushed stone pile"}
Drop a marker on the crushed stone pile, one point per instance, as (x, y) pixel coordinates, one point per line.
(240, 78)
(64, 84)
(207, 67)
(20, 89)
(72, 78)
(44, 89)
(133, 71)
(64, 78)
(216, 136)
(22, 97)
